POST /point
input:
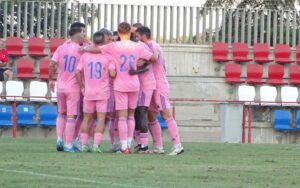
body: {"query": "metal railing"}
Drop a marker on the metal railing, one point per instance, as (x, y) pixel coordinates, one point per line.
(169, 24)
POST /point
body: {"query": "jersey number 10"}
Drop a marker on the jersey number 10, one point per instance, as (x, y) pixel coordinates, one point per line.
(70, 62)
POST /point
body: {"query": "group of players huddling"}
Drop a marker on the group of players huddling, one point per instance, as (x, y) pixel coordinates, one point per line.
(120, 80)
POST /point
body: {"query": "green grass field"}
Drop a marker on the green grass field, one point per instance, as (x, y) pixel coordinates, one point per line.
(35, 163)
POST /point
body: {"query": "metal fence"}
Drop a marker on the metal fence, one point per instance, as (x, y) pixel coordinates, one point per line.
(169, 24)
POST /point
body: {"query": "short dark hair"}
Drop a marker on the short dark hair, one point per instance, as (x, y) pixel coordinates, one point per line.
(137, 25)
(144, 31)
(74, 30)
(115, 33)
(98, 38)
(124, 28)
(77, 24)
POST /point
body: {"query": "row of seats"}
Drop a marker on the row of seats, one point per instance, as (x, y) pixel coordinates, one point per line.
(255, 73)
(26, 115)
(38, 91)
(261, 53)
(36, 46)
(283, 120)
(25, 68)
(268, 94)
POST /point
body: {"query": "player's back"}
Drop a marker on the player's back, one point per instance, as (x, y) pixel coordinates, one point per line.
(96, 75)
(126, 54)
(67, 56)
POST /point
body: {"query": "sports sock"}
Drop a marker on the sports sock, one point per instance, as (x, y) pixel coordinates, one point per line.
(60, 126)
(84, 138)
(173, 131)
(144, 139)
(123, 131)
(131, 126)
(137, 136)
(155, 131)
(78, 122)
(110, 124)
(92, 127)
(97, 139)
(70, 129)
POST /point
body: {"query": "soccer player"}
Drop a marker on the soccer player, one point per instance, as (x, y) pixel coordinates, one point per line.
(66, 57)
(160, 100)
(126, 86)
(96, 90)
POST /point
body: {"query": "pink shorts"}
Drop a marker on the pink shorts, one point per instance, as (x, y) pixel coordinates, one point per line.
(126, 100)
(160, 101)
(68, 103)
(94, 106)
(145, 97)
(111, 104)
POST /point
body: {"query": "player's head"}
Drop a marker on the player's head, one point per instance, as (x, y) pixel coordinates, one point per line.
(134, 27)
(115, 36)
(99, 38)
(75, 34)
(143, 34)
(124, 30)
(107, 35)
(79, 25)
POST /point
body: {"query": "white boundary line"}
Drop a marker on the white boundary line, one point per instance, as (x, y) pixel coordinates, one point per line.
(71, 178)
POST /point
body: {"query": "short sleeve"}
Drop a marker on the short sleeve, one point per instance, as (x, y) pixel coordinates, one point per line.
(108, 48)
(55, 56)
(144, 53)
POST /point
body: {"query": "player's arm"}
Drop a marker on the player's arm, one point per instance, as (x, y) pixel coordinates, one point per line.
(2, 64)
(112, 69)
(91, 49)
(52, 71)
(153, 58)
(144, 68)
(112, 73)
(79, 80)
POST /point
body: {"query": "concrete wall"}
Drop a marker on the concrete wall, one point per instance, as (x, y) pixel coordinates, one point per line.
(193, 74)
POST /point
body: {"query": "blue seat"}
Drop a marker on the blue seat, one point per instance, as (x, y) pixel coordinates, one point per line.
(25, 115)
(162, 122)
(282, 120)
(298, 120)
(6, 116)
(48, 114)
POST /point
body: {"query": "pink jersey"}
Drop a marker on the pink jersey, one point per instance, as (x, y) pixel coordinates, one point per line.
(147, 79)
(159, 68)
(67, 56)
(126, 53)
(96, 68)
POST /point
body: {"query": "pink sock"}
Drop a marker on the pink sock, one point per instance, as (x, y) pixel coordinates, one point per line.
(173, 131)
(123, 129)
(110, 125)
(70, 129)
(131, 126)
(144, 139)
(137, 136)
(97, 139)
(78, 122)
(60, 126)
(155, 131)
(92, 126)
(84, 138)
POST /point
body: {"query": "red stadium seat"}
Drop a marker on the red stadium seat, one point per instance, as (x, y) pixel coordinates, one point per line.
(233, 73)
(298, 53)
(276, 73)
(240, 52)
(261, 53)
(294, 75)
(54, 43)
(14, 46)
(36, 47)
(254, 74)
(25, 68)
(44, 69)
(282, 54)
(220, 52)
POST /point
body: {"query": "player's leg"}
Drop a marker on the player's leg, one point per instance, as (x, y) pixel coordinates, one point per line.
(88, 109)
(155, 130)
(136, 135)
(122, 111)
(164, 108)
(78, 123)
(8, 74)
(132, 104)
(60, 121)
(73, 100)
(144, 103)
(101, 113)
(109, 121)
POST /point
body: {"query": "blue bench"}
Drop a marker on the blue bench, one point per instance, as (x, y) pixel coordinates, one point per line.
(282, 120)
(48, 114)
(6, 115)
(25, 115)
